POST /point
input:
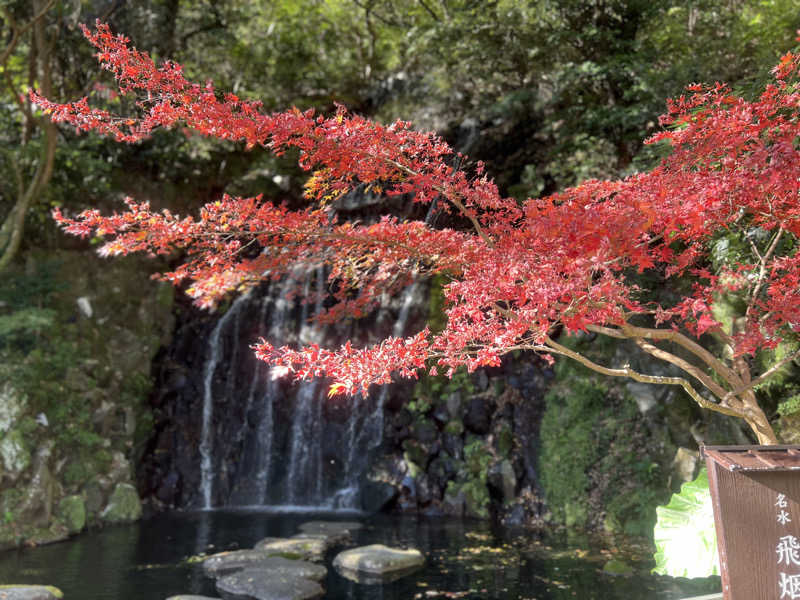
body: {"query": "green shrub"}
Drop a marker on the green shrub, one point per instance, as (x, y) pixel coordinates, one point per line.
(596, 465)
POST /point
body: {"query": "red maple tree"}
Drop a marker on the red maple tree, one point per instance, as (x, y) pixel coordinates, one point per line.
(524, 269)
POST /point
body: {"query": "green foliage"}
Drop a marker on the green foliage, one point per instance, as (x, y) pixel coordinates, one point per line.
(437, 319)
(595, 463)
(34, 287)
(20, 327)
(42, 355)
(477, 459)
(47, 380)
(86, 462)
(789, 406)
(686, 542)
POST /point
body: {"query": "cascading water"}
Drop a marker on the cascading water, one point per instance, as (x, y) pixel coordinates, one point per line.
(366, 425)
(305, 457)
(268, 441)
(206, 439)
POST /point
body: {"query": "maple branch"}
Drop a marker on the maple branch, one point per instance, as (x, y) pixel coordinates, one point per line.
(442, 190)
(626, 371)
(762, 268)
(629, 331)
(686, 366)
(365, 240)
(764, 376)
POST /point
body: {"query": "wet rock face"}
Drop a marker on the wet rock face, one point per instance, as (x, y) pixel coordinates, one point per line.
(83, 395)
(467, 447)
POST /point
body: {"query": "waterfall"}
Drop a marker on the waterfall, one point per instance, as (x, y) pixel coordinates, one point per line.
(370, 434)
(278, 321)
(275, 442)
(209, 369)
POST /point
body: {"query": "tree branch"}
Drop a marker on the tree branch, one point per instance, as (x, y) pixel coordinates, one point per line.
(557, 348)
(18, 32)
(687, 367)
(764, 376)
(629, 331)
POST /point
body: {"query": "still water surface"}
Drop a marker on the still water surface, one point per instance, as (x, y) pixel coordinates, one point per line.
(465, 559)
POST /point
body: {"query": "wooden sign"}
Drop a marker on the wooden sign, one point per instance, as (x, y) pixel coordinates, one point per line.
(755, 492)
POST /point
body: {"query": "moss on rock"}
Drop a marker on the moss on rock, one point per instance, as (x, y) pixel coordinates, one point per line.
(14, 453)
(72, 513)
(124, 505)
(599, 463)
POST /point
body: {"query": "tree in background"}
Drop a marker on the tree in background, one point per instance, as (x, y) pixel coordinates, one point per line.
(31, 155)
(559, 91)
(572, 261)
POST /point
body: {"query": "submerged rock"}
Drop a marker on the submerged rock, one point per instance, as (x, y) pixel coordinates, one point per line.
(262, 584)
(377, 563)
(29, 592)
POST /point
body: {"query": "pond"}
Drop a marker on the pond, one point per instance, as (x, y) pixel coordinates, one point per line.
(465, 559)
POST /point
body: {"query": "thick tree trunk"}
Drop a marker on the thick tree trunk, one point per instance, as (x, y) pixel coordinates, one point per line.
(758, 421)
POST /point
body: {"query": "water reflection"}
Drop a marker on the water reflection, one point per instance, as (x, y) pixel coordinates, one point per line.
(148, 561)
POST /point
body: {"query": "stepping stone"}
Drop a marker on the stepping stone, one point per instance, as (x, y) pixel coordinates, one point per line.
(304, 546)
(261, 584)
(224, 563)
(30, 592)
(377, 563)
(277, 565)
(190, 597)
(337, 532)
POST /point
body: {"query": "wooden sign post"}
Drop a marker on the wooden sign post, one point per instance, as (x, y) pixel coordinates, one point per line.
(755, 492)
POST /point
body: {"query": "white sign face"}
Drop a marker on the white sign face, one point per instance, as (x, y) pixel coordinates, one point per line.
(788, 550)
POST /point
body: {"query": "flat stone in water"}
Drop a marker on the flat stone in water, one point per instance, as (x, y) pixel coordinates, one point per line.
(224, 563)
(29, 592)
(377, 563)
(261, 584)
(305, 547)
(336, 533)
(262, 561)
(190, 597)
